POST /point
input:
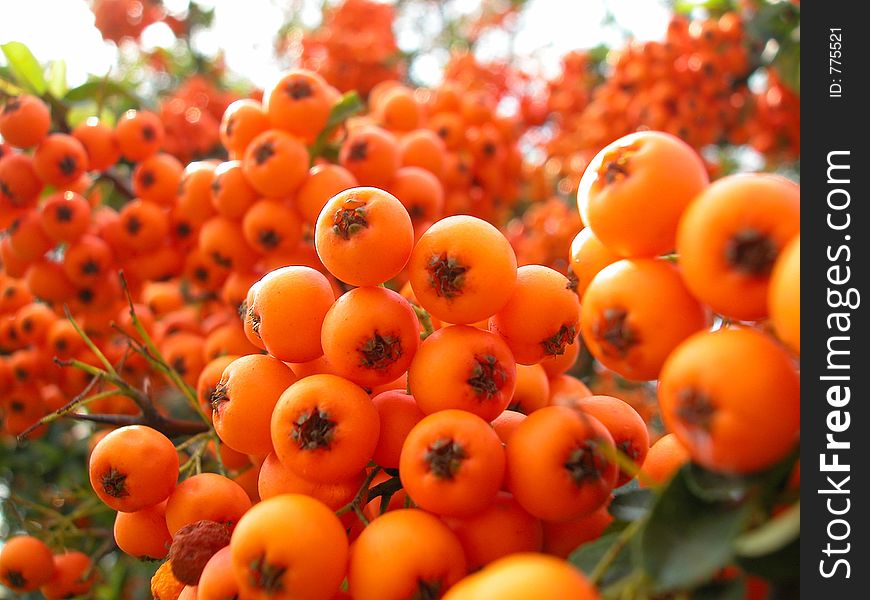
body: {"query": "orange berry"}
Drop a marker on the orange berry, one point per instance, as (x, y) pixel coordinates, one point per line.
(20, 185)
(232, 195)
(364, 236)
(404, 553)
(730, 237)
(525, 576)
(370, 336)
(65, 216)
(423, 148)
(452, 463)
(663, 459)
(207, 496)
(323, 182)
(24, 121)
(462, 367)
(728, 423)
(133, 467)
(157, 178)
(99, 142)
(272, 226)
(25, 563)
(541, 317)
(143, 534)
(421, 194)
(288, 311)
(242, 121)
(244, 399)
(289, 547)
(223, 242)
(635, 190)
(462, 269)
(784, 299)
(371, 154)
(500, 529)
(60, 159)
(275, 163)
(140, 134)
(73, 576)
(300, 103)
(325, 428)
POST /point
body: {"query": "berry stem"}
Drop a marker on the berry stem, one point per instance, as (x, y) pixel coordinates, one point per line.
(361, 494)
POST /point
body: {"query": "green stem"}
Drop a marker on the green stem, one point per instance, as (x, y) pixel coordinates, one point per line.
(90, 343)
(362, 492)
(425, 320)
(607, 559)
(192, 440)
(157, 359)
(627, 465)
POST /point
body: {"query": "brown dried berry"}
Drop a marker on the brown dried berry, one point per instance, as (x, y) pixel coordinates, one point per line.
(192, 547)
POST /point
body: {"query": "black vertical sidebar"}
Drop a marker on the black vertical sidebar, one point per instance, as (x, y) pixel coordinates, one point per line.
(835, 415)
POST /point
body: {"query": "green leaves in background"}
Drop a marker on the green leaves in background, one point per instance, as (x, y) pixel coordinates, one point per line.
(57, 78)
(97, 89)
(688, 539)
(631, 505)
(774, 535)
(347, 106)
(780, 22)
(25, 68)
(677, 539)
(788, 64)
(610, 547)
(686, 7)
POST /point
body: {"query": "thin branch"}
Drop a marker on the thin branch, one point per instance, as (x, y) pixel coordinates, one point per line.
(362, 493)
(119, 184)
(613, 551)
(90, 343)
(157, 358)
(81, 399)
(167, 426)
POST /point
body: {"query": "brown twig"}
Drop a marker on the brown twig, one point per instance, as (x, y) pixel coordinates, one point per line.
(119, 184)
(355, 505)
(167, 426)
(63, 410)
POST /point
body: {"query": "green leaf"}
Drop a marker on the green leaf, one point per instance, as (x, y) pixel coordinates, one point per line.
(719, 487)
(788, 64)
(347, 106)
(24, 66)
(782, 565)
(715, 487)
(94, 89)
(687, 539)
(57, 78)
(776, 533)
(589, 555)
(685, 7)
(631, 505)
(733, 589)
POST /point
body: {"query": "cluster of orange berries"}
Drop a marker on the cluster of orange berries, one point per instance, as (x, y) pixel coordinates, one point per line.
(737, 253)
(402, 439)
(544, 232)
(775, 129)
(27, 565)
(65, 248)
(126, 19)
(208, 231)
(373, 389)
(355, 47)
(191, 116)
(692, 85)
